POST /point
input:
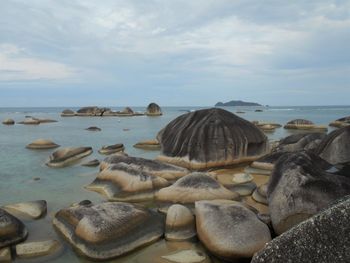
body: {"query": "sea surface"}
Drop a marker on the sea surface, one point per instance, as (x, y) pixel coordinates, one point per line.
(64, 186)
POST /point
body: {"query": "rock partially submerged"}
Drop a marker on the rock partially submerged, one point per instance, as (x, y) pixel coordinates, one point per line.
(8, 122)
(93, 128)
(91, 163)
(210, 138)
(230, 230)
(126, 182)
(186, 256)
(148, 145)
(42, 144)
(322, 238)
(153, 109)
(108, 230)
(153, 167)
(33, 209)
(302, 124)
(194, 187)
(91, 111)
(37, 249)
(299, 187)
(30, 121)
(12, 230)
(342, 122)
(68, 113)
(110, 149)
(67, 156)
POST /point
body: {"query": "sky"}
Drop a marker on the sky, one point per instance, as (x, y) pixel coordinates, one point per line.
(175, 53)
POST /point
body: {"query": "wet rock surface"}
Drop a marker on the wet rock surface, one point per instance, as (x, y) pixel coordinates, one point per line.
(67, 156)
(33, 209)
(12, 230)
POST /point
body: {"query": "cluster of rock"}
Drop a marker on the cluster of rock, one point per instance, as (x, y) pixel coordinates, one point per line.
(342, 122)
(267, 126)
(29, 120)
(153, 109)
(302, 124)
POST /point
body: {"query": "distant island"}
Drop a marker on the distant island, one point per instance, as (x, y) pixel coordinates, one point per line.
(236, 103)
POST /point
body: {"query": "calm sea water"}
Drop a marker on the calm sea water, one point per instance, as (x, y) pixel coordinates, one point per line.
(61, 187)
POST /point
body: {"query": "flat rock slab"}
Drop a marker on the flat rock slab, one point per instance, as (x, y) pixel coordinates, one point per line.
(37, 249)
(186, 256)
(32, 209)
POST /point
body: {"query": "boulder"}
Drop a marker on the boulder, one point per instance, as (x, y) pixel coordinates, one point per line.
(186, 256)
(42, 144)
(33, 209)
(92, 111)
(119, 147)
(230, 230)
(148, 145)
(67, 156)
(153, 109)
(324, 237)
(152, 167)
(5, 254)
(194, 187)
(211, 138)
(30, 121)
(125, 112)
(244, 189)
(8, 122)
(302, 124)
(12, 230)
(93, 128)
(300, 187)
(37, 249)
(108, 230)
(91, 163)
(180, 224)
(126, 182)
(342, 122)
(242, 178)
(68, 113)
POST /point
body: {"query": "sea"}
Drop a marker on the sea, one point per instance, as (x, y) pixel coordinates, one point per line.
(61, 187)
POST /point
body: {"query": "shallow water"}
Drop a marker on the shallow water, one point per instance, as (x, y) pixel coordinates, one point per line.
(63, 186)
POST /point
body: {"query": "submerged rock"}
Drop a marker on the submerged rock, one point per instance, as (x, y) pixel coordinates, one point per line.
(68, 113)
(110, 229)
(126, 182)
(12, 230)
(342, 122)
(153, 109)
(302, 124)
(42, 144)
(30, 121)
(186, 256)
(119, 147)
(8, 122)
(322, 238)
(148, 145)
(299, 187)
(194, 187)
(126, 112)
(93, 128)
(210, 138)
(91, 163)
(67, 156)
(229, 230)
(92, 111)
(37, 249)
(153, 167)
(180, 224)
(33, 209)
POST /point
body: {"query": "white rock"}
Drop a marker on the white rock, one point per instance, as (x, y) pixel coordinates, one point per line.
(186, 256)
(241, 178)
(37, 249)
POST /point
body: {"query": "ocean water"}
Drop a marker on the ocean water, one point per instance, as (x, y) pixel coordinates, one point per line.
(64, 186)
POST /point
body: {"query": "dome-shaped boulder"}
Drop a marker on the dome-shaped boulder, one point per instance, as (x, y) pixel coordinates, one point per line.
(42, 144)
(119, 147)
(342, 122)
(209, 138)
(194, 187)
(127, 111)
(93, 128)
(8, 122)
(153, 109)
(302, 124)
(68, 113)
(108, 230)
(12, 230)
(66, 156)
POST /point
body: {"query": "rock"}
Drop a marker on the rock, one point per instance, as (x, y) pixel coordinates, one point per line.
(91, 163)
(12, 230)
(92, 111)
(215, 138)
(148, 145)
(302, 124)
(321, 238)
(335, 148)
(30, 121)
(153, 109)
(342, 122)
(229, 230)
(8, 122)
(126, 182)
(258, 195)
(186, 256)
(5, 254)
(46, 120)
(258, 110)
(263, 123)
(153, 167)
(110, 229)
(68, 113)
(37, 249)
(180, 224)
(242, 178)
(67, 156)
(299, 187)
(119, 147)
(194, 187)
(93, 128)
(267, 128)
(42, 144)
(33, 209)
(126, 112)
(243, 189)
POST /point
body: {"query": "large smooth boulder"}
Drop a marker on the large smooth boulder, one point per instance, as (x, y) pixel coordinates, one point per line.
(8, 122)
(342, 122)
(33, 209)
(230, 230)
(68, 113)
(153, 167)
(153, 109)
(180, 223)
(91, 111)
(324, 237)
(67, 156)
(302, 124)
(210, 138)
(42, 144)
(108, 230)
(300, 187)
(126, 182)
(12, 230)
(194, 187)
(110, 149)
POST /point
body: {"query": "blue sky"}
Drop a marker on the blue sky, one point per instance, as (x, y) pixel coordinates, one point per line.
(119, 53)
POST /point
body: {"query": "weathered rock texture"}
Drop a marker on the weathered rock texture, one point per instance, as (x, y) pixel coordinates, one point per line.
(66, 156)
(12, 230)
(342, 122)
(153, 109)
(302, 124)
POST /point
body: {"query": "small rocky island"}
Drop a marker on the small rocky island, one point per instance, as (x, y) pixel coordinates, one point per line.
(234, 103)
